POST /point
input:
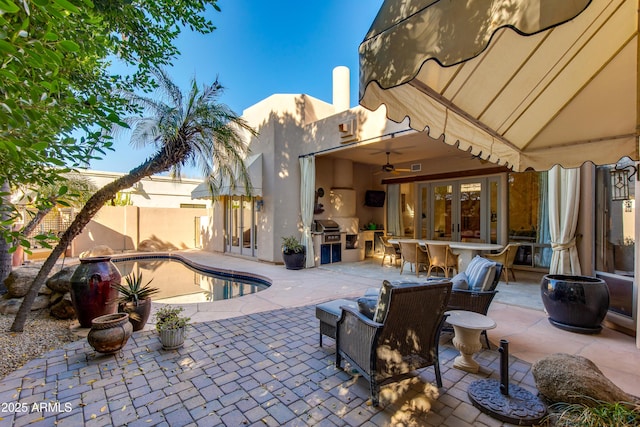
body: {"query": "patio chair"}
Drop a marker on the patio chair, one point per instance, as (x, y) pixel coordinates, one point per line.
(440, 256)
(412, 253)
(479, 292)
(506, 258)
(391, 250)
(402, 336)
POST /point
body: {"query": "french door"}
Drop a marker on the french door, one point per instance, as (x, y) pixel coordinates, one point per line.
(240, 224)
(459, 210)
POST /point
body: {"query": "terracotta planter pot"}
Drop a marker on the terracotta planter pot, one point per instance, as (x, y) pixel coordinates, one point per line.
(92, 293)
(110, 333)
(138, 314)
(575, 303)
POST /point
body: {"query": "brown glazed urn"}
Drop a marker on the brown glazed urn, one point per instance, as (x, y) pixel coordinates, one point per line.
(109, 333)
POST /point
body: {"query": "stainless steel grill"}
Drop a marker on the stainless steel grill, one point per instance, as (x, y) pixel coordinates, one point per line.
(330, 230)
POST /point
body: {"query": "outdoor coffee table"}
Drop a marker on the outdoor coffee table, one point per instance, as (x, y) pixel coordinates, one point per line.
(467, 327)
(328, 313)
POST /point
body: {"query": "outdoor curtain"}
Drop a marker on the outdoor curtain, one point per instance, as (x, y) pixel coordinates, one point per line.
(544, 234)
(564, 199)
(394, 211)
(307, 200)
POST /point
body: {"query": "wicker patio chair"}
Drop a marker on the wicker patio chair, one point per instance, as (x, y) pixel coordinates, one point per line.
(412, 253)
(440, 256)
(402, 337)
(476, 301)
(391, 250)
(506, 257)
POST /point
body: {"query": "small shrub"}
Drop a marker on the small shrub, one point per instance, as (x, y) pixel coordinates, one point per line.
(291, 245)
(618, 414)
(168, 317)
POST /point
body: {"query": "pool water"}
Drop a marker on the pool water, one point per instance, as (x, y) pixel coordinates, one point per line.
(179, 283)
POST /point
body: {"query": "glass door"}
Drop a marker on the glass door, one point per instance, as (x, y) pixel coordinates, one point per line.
(240, 224)
(470, 209)
(459, 210)
(443, 224)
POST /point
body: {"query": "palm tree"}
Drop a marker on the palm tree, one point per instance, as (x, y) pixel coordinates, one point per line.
(186, 130)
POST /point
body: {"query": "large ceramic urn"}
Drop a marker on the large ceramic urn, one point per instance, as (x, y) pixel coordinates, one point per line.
(575, 303)
(92, 289)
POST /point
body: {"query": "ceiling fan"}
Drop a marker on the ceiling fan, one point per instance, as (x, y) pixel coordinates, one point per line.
(389, 168)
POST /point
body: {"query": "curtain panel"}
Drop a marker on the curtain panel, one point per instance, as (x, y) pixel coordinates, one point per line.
(307, 199)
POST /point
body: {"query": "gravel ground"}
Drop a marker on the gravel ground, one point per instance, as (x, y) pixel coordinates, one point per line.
(41, 334)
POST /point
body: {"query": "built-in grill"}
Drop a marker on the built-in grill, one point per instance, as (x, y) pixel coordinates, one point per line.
(330, 230)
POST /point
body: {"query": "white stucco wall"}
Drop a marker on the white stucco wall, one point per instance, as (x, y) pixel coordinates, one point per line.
(155, 191)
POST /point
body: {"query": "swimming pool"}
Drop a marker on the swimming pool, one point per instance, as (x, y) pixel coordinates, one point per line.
(181, 281)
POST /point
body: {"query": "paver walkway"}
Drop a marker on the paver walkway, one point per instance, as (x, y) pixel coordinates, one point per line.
(263, 369)
(256, 361)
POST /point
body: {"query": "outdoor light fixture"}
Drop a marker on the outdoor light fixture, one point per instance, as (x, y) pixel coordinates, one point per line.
(628, 206)
(620, 178)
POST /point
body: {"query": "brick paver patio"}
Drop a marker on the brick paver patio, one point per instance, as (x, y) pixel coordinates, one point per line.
(263, 369)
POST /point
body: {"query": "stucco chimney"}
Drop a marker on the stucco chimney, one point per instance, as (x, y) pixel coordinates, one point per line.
(341, 89)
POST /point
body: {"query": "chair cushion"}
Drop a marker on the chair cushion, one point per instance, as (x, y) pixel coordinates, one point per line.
(383, 302)
(367, 306)
(480, 273)
(460, 281)
(488, 282)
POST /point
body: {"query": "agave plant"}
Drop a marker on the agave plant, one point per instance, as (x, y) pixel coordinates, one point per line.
(134, 291)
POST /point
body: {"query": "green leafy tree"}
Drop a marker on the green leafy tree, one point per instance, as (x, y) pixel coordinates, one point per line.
(57, 82)
(73, 192)
(185, 130)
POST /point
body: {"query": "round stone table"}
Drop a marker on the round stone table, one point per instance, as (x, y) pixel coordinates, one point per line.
(467, 327)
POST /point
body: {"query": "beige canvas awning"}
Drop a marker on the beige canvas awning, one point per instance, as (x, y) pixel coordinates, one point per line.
(253, 164)
(523, 83)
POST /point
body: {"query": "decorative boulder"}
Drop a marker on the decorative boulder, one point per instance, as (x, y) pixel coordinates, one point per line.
(63, 308)
(20, 279)
(61, 281)
(12, 305)
(100, 250)
(575, 379)
(155, 245)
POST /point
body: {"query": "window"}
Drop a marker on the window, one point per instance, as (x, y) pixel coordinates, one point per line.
(615, 227)
(529, 218)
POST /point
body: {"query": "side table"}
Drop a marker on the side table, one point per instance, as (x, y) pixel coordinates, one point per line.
(467, 327)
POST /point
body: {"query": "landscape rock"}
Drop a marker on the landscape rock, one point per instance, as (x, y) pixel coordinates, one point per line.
(63, 309)
(61, 281)
(12, 305)
(99, 250)
(575, 379)
(152, 245)
(20, 279)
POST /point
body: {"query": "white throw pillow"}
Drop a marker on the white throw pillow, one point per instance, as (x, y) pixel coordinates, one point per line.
(478, 271)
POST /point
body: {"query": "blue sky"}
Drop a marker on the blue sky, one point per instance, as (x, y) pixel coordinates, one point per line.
(264, 47)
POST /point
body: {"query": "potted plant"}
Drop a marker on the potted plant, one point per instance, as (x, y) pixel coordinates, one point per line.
(134, 298)
(171, 326)
(293, 253)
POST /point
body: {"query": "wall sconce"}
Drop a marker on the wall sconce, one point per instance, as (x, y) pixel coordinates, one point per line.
(259, 205)
(620, 178)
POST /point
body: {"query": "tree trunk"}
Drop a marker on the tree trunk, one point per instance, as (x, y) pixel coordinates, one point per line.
(6, 259)
(159, 163)
(35, 221)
